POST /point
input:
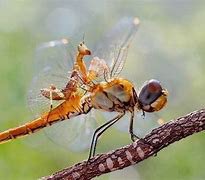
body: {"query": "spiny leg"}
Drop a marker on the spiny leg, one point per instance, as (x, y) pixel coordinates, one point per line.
(100, 133)
(51, 97)
(51, 105)
(134, 137)
(94, 138)
(52, 93)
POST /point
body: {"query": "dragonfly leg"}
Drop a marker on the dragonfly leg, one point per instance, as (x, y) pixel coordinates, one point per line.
(98, 132)
(52, 96)
(51, 99)
(51, 105)
(143, 114)
(52, 93)
(134, 137)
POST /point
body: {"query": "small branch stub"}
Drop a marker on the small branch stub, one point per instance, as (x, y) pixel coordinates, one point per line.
(140, 150)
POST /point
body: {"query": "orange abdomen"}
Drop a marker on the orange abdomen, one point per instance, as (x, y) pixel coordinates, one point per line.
(66, 110)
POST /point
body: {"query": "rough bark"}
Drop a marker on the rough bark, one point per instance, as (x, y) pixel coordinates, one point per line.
(140, 150)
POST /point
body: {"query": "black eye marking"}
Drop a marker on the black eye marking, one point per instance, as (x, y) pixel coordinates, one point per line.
(81, 44)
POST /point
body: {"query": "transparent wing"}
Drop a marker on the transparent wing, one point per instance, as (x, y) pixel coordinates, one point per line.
(142, 125)
(53, 61)
(113, 47)
(74, 134)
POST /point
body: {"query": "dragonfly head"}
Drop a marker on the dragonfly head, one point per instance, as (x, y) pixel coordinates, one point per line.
(83, 49)
(152, 97)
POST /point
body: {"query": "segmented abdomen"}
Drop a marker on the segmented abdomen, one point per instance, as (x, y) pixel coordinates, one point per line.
(75, 106)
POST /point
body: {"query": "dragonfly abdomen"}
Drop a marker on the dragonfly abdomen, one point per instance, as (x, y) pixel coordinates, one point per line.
(75, 106)
(23, 130)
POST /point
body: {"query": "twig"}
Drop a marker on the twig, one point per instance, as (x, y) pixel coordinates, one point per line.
(140, 150)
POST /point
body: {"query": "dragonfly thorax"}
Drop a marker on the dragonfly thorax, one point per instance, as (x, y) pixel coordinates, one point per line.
(114, 95)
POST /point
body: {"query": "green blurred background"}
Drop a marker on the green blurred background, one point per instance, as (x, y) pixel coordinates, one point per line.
(169, 46)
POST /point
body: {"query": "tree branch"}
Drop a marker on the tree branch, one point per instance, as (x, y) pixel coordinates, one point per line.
(140, 150)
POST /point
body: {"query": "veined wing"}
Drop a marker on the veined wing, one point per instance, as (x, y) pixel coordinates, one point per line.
(53, 61)
(142, 124)
(74, 134)
(113, 47)
(77, 133)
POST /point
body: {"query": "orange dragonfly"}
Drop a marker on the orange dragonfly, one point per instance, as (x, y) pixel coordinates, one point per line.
(98, 88)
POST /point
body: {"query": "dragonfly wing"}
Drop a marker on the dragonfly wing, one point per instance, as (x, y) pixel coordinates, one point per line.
(113, 47)
(142, 125)
(53, 61)
(74, 134)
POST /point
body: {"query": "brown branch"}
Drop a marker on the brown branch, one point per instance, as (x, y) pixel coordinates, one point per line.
(140, 150)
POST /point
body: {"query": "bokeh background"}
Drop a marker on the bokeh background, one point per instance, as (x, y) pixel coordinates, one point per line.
(169, 46)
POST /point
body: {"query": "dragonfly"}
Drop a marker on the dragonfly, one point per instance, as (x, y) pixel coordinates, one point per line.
(83, 90)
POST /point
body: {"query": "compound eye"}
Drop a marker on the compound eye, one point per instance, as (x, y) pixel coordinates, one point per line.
(154, 86)
(149, 93)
